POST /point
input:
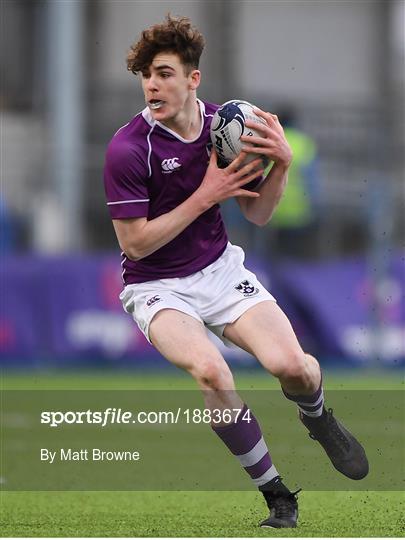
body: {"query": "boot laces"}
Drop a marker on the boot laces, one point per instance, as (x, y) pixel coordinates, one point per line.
(334, 434)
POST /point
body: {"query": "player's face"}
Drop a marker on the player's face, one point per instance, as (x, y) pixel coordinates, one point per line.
(167, 87)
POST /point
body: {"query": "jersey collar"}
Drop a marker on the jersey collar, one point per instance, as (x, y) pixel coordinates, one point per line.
(149, 119)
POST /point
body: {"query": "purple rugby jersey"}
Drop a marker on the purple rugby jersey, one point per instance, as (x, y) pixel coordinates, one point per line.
(150, 170)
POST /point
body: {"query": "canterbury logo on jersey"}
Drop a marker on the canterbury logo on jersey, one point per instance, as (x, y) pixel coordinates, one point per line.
(170, 165)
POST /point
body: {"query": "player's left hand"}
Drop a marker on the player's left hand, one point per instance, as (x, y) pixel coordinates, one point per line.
(273, 143)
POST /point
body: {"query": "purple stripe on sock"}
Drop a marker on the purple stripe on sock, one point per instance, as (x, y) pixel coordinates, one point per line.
(310, 408)
(241, 436)
(260, 467)
(312, 398)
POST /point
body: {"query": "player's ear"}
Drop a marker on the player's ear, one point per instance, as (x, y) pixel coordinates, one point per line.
(195, 79)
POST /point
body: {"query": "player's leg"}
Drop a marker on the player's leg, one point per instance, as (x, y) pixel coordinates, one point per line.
(183, 341)
(264, 330)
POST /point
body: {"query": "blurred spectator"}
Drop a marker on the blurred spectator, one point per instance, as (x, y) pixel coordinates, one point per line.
(294, 221)
(8, 228)
(14, 229)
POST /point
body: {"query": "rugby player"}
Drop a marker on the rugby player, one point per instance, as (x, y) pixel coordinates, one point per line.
(183, 278)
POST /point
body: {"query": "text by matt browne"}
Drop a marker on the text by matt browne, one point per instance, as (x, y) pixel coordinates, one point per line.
(88, 454)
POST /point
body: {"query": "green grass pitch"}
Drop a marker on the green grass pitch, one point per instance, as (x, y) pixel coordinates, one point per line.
(194, 514)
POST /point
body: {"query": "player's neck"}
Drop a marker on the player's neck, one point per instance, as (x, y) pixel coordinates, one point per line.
(187, 123)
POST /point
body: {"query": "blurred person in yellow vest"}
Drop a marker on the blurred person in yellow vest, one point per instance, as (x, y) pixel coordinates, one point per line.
(294, 222)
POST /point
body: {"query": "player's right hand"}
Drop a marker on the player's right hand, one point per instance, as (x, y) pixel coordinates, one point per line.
(221, 184)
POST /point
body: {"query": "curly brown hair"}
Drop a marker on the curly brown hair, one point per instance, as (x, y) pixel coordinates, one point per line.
(176, 35)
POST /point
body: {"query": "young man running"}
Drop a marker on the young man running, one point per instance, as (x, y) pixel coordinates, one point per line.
(181, 274)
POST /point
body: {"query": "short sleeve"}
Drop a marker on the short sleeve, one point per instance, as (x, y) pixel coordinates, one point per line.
(125, 181)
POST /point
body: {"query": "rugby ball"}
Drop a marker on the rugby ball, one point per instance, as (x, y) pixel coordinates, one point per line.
(227, 127)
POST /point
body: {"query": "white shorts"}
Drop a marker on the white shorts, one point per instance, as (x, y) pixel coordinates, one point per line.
(216, 295)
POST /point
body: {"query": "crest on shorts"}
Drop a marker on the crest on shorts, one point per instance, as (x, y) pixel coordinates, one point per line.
(246, 288)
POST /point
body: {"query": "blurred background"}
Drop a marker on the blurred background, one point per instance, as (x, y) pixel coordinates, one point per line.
(334, 253)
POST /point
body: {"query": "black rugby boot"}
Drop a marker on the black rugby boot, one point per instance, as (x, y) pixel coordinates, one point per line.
(282, 504)
(345, 452)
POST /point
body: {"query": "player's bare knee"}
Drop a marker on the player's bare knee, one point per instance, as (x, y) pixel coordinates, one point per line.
(313, 370)
(312, 362)
(213, 375)
(291, 367)
(216, 378)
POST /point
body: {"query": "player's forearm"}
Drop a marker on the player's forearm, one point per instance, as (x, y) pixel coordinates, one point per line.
(159, 231)
(260, 210)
